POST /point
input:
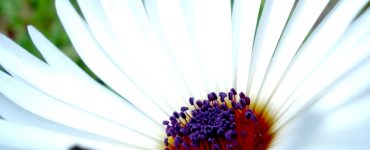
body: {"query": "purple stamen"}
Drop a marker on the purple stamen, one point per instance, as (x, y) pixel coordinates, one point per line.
(184, 108)
(210, 121)
(165, 122)
(182, 115)
(248, 100)
(233, 104)
(199, 103)
(212, 96)
(191, 100)
(242, 95)
(185, 146)
(216, 147)
(239, 106)
(231, 96)
(248, 114)
(176, 115)
(228, 135)
(233, 91)
(222, 96)
(243, 102)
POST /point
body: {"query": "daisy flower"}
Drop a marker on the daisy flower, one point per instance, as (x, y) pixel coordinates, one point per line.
(298, 73)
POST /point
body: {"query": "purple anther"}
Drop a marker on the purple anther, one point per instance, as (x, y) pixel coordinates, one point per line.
(202, 136)
(248, 114)
(226, 113)
(184, 108)
(176, 115)
(206, 104)
(232, 125)
(185, 146)
(230, 94)
(173, 120)
(231, 118)
(165, 122)
(177, 126)
(211, 140)
(248, 101)
(191, 100)
(199, 103)
(215, 104)
(194, 143)
(177, 141)
(168, 131)
(223, 107)
(254, 118)
(234, 133)
(229, 146)
(228, 135)
(233, 104)
(178, 138)
(243, 102)
(212, 96)
(222, 96)
(220, 131)
(233, 91)
(182, 115)
(194, 113)
(183, 131)
(172, 132)
(216, 147)
(241, 95)
(239, 106)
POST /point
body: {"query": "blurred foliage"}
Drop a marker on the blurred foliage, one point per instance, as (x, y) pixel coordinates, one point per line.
(15, 15)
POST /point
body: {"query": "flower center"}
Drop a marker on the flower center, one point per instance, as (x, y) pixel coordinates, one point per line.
(220, 122)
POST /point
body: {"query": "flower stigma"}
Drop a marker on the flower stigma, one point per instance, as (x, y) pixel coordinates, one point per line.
(221, 122)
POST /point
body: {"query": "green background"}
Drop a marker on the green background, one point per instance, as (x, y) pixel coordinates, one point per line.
(15, 15)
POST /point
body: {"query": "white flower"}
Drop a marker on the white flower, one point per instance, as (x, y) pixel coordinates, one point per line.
(311, 72)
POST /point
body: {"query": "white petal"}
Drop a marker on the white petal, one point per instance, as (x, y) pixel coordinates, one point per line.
(245, 15)
(7, 57)
(136, 42)
(101, 64)
(67, 87)
(300, 23)
(126, 87)
(351, 53)
(343, 128)
(295, 133)
(272, 22)
(48, 107)
(13, 113)
(357, 35)
(22, 137)
(344, 116)
(316, 50)
(136, 35)
(53, 56)
(168, 20)
(211, 34)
